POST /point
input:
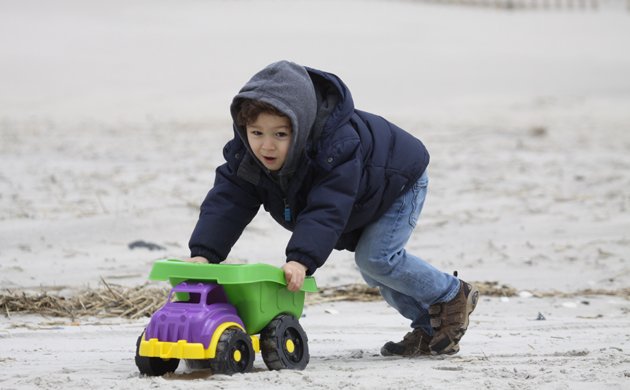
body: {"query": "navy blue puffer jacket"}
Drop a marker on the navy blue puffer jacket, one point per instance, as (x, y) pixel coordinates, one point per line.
(345, 173)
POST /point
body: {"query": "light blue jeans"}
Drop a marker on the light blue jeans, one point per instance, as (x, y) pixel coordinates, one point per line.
(408, 283)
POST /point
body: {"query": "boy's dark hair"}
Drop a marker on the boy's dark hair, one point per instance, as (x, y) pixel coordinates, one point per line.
(250, 109)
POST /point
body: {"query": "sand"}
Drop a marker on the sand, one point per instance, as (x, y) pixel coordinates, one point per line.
(112, 120)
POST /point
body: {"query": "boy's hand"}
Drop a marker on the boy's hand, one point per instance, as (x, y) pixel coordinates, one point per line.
(294, 273)
(197, 259)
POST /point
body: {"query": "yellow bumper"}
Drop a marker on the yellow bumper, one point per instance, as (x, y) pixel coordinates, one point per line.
(182, 349)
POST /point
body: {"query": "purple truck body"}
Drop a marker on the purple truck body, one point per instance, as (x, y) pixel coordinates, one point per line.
(195, 320)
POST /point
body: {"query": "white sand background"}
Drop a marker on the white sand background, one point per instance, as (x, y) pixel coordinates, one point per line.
(113, 116)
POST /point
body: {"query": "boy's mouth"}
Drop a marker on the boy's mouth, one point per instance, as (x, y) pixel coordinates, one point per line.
(269, 160)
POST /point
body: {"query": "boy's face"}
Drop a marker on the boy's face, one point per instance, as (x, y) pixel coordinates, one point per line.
(269, 136)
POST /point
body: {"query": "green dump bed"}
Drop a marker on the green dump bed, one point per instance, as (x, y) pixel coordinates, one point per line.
(258, 291)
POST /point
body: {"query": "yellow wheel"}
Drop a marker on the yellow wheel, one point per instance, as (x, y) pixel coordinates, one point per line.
(236, 356)
(290, 346)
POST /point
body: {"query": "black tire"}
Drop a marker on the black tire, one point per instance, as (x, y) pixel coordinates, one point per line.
(153, 366)
(284, 344)
(234, 353)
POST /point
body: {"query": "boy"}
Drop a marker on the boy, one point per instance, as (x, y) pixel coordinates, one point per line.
(337, 178)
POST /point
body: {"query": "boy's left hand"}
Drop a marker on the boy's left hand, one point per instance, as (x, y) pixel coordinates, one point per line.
(294, 273)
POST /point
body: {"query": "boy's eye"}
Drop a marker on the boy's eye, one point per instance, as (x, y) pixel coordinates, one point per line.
(282, 134)
(255, 132)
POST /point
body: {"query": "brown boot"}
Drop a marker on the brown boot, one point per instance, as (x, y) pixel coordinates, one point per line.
(450, 319)
(415, 343)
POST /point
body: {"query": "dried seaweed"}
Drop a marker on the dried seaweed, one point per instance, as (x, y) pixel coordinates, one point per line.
(111, 300)
(107, 301)
(364, 293)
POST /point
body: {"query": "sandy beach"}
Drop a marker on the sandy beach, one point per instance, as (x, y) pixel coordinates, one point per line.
(113, 117)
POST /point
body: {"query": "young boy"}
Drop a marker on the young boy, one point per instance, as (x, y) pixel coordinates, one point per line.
(337, 178)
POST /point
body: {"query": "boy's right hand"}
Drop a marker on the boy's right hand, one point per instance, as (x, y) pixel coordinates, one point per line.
(197, 259)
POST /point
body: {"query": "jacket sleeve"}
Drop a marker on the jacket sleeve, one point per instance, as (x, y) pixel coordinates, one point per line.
(227, 209)
(329, 204)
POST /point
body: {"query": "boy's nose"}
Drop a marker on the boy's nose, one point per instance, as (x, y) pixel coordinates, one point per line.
(268, 144)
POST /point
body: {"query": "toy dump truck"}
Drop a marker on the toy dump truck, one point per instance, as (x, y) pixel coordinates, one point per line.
(214, 313)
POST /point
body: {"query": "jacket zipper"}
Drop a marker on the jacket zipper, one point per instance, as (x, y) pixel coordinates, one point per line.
(287, 210)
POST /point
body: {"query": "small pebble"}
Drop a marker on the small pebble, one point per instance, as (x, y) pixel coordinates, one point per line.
(525, 294)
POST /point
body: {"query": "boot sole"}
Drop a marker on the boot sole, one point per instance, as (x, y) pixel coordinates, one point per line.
(471, 304)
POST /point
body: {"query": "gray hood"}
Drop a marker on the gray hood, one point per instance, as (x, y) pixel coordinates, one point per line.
(288, 87)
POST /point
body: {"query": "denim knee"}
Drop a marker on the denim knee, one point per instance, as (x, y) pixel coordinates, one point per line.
(371, 261)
